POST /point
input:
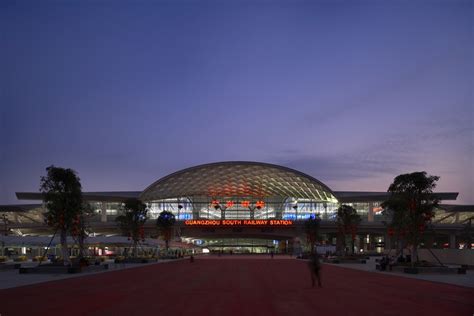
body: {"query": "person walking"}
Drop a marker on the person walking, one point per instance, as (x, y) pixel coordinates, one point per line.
(315, 269)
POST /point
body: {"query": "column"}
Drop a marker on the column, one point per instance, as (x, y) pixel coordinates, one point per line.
(362, 244)
(370, 214)
(223, 209)
(452, 241)
(103, 217)
(388, 242)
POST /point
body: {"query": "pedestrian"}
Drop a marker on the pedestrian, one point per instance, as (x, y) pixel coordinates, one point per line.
(315, 269)
(271, 254)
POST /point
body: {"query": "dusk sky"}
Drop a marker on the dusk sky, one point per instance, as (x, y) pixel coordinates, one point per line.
(351, 92)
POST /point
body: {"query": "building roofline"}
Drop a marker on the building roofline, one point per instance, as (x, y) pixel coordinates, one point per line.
(249, 163)
(365, 196)
(342, 196)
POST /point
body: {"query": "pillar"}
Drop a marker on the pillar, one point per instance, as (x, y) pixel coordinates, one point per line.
(452, 241)
(362, 244)
(340, 244)
(429, 241)
(388, 242)
(370, 214)
(103, 217)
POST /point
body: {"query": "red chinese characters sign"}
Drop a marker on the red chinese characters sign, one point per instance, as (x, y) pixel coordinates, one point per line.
(238, 222)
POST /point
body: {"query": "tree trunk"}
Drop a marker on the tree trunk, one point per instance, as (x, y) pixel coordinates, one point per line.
(414, 255)
(344, 245)
(80, 240)
(64, 250)
(340, 244)
(353, 246)
(135, 248)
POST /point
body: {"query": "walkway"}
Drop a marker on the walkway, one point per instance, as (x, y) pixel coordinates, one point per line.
(237, 286)
(456, 279)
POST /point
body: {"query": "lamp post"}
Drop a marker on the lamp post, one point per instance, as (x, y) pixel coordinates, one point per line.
(223, 208)
(252, 211)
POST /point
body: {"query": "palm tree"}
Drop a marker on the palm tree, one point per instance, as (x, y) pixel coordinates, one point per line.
(347, 222)
(165, 223)
(62, 196)
(132, 222)
(311, 227)
(411, 206)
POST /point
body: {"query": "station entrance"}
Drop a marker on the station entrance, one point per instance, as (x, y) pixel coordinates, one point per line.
(243, 246)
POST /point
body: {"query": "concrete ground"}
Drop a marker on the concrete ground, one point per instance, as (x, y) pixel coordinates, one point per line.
(11, 278)
(456, 279)
(237, 285)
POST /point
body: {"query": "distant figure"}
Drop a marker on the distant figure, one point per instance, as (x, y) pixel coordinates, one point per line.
(271, 254)
(391, 263)
(383, 263)
(191, 259)
(315, 269)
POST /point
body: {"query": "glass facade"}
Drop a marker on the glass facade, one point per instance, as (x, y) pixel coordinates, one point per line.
(243, 208)
(240, 245)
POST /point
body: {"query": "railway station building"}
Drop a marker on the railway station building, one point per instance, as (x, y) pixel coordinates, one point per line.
(239, 207)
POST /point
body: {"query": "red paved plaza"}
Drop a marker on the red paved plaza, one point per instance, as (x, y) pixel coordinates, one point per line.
(237, 286)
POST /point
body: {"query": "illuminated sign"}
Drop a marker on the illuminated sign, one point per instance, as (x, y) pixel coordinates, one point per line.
(238, 222)
(245, 203)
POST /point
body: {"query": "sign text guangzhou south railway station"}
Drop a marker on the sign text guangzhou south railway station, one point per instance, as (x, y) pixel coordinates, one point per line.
(238, 222)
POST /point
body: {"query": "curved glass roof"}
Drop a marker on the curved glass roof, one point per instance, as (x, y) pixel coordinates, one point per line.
(239, 179)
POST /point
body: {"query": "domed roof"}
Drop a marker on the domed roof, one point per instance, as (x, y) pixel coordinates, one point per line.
(238, 179)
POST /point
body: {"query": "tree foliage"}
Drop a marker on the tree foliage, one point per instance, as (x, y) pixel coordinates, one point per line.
(411, 207)
(62, 196)
(164, 224)
(348, 222)
(132, 221)
(311, 227)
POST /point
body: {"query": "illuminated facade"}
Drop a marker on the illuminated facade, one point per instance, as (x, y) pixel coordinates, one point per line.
(239, 190)
(226, 203)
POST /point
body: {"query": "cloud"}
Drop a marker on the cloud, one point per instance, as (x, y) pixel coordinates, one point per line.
(392, 156)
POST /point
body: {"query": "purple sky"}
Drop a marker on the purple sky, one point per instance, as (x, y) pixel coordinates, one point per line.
(352, 93)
